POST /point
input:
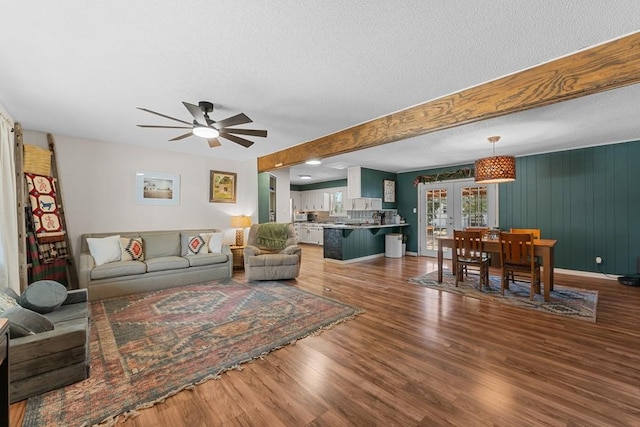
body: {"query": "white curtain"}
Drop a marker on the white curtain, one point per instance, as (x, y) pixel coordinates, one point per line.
(9, 264)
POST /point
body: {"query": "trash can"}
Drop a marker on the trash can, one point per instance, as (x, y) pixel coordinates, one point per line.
(393, 245)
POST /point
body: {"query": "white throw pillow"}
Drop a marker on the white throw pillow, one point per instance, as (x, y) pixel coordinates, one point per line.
(215, 242)
(104, 249)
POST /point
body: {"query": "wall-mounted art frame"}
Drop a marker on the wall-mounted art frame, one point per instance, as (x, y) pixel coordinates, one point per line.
(222, 187)
(157, 188)
(389, 191)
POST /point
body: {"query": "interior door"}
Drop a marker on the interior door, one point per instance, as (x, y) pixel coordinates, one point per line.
(453, 205)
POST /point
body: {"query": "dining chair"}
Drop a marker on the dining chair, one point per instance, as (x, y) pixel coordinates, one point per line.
(468, 253)
(535, 232)
(517, 259)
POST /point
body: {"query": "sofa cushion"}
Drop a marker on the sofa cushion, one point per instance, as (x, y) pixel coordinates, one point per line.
(43, 296)
(166, 263)
(24, 322)
(118, 269)
(161, 244)
(207, 259)
(131, 249)
(104, 249)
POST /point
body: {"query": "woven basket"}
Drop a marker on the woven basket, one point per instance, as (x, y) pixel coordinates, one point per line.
(37, 160)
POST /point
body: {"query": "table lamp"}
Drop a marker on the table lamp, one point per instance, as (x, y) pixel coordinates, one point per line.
(240, 222)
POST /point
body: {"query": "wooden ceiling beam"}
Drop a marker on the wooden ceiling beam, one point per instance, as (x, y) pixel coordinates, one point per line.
(604, 67)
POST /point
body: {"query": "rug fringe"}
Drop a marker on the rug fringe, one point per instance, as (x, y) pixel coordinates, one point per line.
(120, 418)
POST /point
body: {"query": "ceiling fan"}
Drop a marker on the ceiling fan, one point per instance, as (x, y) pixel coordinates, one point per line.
(204, 127)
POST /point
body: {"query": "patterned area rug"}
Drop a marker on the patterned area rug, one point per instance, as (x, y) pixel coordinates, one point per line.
(149, 346)
(564, 301)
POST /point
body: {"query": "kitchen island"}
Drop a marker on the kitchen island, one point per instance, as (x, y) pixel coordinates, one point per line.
(356, 242)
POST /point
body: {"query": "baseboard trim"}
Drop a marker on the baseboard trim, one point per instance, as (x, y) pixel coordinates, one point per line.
(350, 261)
(586, 274)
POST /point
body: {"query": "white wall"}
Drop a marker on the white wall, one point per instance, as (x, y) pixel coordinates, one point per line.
(98, 187)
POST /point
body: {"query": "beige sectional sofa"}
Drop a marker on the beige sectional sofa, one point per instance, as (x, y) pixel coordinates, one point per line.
(166, 262)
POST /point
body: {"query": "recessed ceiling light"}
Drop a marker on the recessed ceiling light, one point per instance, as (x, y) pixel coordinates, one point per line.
(305, 176)
(313, 162)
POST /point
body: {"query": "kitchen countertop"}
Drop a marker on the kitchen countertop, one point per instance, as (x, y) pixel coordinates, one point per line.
(364, 225)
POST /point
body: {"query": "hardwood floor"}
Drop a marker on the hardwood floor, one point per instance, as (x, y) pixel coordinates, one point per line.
(418, 357)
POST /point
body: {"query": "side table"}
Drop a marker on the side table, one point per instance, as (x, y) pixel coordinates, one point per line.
(238, 257)
(4, 373)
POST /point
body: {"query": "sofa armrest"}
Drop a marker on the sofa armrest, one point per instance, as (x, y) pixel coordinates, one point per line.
(70, 335)
(75, 296)
(85, 266)
(250, 250)
(226, 249)
(292, 250)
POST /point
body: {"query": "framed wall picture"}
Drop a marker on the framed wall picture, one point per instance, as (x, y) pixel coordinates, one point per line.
(157, 188)
(389, 190)
(222, 187)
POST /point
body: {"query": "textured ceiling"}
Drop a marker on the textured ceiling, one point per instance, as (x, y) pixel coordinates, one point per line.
(303, 69)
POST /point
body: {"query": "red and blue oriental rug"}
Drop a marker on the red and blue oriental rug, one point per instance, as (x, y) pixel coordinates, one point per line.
(149, 346)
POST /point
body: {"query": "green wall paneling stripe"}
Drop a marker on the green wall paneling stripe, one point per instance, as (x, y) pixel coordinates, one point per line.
(263, 197)
(320, 185)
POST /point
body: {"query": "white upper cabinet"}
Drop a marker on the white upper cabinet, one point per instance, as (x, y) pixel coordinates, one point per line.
(296, 200)
(354, 182)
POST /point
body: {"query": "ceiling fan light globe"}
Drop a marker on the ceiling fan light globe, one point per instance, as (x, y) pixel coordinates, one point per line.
(205, 132)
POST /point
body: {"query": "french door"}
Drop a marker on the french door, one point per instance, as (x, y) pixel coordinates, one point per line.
(453, 205)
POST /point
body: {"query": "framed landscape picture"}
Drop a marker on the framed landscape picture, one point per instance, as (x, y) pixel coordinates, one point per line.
(222, 187)
(389, 191)
(157, 188)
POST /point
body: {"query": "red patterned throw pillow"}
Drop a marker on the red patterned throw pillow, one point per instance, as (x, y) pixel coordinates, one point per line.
(131, 249)
(197, 245)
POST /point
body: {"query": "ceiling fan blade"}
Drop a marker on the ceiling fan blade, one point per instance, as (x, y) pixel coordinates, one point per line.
(186, 135)
(238, 119)
(164, 127)
(250, 132)
(196, 112)
(213, 142)
(165, 116)
(244, 142)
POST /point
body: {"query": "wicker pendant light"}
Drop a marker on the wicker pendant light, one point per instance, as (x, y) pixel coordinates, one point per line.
(495, 169)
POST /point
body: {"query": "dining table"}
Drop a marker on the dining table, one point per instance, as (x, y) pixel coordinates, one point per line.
(543, 248)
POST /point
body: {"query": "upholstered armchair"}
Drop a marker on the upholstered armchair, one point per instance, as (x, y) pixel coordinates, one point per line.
(271, 252)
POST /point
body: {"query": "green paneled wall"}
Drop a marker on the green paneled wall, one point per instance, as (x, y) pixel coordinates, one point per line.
(371, 181)
(364, 242)
(587, 199)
